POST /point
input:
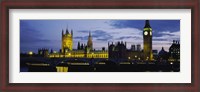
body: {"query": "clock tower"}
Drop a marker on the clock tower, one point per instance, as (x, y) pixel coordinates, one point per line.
(147, 38)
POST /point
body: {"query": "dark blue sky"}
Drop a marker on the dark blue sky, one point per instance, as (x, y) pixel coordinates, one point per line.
(36, 34)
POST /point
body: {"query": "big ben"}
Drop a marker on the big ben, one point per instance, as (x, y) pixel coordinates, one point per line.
(147, 38)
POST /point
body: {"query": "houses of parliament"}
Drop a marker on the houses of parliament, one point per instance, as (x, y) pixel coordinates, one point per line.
(82, 51)
(117, 50)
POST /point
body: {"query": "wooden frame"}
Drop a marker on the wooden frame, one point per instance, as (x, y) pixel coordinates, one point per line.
(119, 4)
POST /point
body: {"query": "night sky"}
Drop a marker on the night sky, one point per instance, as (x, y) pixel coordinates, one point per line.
(36, 34)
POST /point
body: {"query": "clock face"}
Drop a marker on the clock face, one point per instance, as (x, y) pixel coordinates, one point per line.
(145, 33)
(150, 33)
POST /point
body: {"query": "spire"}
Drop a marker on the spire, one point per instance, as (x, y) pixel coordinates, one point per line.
(90, 34)
(72, 32)
(51, 51)
(67, 32)
(62, 32)
(89, 43)
(173, 41)
(163, 49)
(79, 46)
(147, 24)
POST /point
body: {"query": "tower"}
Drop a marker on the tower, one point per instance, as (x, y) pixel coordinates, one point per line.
(174, 51)
(89, 43)
(138, 47)
(67, 41)
(147, 39)
(79, 46)
(132, 47)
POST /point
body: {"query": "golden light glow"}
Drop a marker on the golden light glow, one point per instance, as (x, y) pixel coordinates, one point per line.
(147, 29)
(145, 33)
(125, 63)
(67, 42)
(61, 69)
(80, 54)
(30, 53)
(80, 64)
(102, 63)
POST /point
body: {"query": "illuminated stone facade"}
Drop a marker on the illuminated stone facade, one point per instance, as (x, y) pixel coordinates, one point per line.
(80, 54)
(117, 50)
(67, 41)
(82, 51)
(147, 38)
(174, 51)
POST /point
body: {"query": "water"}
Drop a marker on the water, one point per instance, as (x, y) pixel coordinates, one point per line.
(24, 69)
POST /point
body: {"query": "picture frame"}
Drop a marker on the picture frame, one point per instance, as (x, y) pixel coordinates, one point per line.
(89, 4)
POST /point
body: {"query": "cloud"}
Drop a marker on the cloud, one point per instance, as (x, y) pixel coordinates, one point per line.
(157, 25)
(34, 40)
(115, 33)
(81, 37)
(167, 36)
(128, 37)
(127, 23)
(162, 42)
(25, 26)
(83, 31)
(102, 39)
(29, 34)
(177, 33)
(99, 35)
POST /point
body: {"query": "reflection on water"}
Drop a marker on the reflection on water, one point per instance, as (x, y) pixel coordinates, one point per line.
(61, 69)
